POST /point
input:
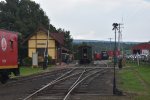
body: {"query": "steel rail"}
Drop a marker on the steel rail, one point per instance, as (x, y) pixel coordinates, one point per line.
(78, 79)
(75, 85)
(104, 63)
(49, 84)
(61, 78)
(81, 76)
(15, 81)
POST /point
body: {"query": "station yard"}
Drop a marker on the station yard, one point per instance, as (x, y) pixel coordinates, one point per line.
(133, 80)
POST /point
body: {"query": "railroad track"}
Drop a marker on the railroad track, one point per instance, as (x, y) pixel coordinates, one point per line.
(21, 80)
(102, 63)
(20, 88)
(73, 81)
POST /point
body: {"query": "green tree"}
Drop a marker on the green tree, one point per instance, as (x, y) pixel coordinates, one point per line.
(52, 28)
(68, 40)
(23, 16)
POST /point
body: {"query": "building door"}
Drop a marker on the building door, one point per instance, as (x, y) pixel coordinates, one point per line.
(137, 51)
(41, 52)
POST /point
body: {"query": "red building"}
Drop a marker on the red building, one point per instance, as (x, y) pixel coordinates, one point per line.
(143, 48)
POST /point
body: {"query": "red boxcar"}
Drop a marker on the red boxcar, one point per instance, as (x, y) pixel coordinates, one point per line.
(111, 53)
(8, 54)
(97, 56)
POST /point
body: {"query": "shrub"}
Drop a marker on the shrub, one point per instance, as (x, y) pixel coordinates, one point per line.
(49, 59)
(27, 61)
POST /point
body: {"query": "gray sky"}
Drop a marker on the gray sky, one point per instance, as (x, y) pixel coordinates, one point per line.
(93, 19)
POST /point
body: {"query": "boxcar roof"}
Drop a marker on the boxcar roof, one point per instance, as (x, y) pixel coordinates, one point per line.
(8, 31)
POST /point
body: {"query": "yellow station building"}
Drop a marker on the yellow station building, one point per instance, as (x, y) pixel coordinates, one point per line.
(39, 42)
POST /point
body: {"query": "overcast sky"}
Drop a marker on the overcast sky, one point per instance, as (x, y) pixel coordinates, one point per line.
(93, 19)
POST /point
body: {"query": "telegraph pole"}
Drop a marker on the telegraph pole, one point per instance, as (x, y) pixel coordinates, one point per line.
(110, 42)
(119, 35)
(46, 52)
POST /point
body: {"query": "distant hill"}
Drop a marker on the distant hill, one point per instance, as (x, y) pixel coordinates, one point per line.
(81, 41)
(100, 45)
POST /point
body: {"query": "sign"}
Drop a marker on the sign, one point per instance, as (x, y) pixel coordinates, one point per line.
(34, 59)
(3, 43)
(146, 52)
(41, 43)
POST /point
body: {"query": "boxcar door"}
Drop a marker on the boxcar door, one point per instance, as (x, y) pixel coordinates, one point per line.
(85, 53)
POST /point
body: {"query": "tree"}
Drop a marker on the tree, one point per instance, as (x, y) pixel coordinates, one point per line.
(67, 39)
(52, 28)
(23, 16)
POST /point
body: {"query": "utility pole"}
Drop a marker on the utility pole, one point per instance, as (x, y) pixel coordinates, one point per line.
(119, 36)
(46, 52)
(110, 43)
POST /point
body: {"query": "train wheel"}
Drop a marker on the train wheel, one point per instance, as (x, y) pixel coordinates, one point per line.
(4, 78)
(16, 72)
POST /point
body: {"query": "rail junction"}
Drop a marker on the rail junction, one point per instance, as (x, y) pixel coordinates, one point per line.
(79, 82)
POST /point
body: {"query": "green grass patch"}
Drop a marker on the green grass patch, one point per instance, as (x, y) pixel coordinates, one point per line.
(135, 79)
(129, 82)
(24, 71)
(143, 71)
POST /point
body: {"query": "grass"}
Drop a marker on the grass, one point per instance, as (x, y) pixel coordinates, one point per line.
(143, 70)
(129, 82)
(135, 80)
(25, 71)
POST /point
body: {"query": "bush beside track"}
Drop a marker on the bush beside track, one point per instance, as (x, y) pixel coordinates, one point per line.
(134, 80)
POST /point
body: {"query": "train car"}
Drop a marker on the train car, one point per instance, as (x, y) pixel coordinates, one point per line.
(97, 56)
(104, 55)
(85, 54)
(8, 54)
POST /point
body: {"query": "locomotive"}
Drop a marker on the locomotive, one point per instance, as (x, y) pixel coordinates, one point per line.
(8, 54)
(85, 54)
(104, 55)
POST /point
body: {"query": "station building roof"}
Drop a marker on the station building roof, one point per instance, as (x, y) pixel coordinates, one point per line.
(59, 37)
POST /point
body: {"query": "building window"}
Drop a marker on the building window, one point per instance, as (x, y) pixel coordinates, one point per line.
(11, 45)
